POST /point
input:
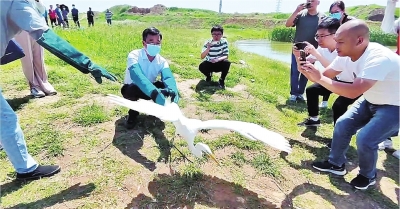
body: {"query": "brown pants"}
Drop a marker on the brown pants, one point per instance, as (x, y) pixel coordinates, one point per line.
(33, 63)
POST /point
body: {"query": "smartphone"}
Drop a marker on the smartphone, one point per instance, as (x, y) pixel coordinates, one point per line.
(302, 56)
(300, 45)
(308, 5)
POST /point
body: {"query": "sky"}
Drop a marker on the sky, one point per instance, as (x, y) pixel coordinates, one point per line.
(228, 6)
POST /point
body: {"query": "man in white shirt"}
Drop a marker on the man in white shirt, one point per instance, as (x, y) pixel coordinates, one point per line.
(325, 54)
(376, 114)
(143, 67)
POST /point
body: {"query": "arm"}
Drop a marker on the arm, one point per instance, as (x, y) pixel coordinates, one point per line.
(225, 52)
(375, 69)
(138, 77)
(388, 25)
(169, 81)
(352, 91)
(322, 60)
(205, 50)
(292, 20)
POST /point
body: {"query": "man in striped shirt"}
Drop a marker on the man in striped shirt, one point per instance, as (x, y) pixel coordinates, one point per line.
(109, 15)
(215, 55)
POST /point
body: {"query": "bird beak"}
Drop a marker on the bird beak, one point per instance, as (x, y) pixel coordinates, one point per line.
(213, 158)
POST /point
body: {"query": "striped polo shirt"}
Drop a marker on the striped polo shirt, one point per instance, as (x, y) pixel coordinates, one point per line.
(217, 50)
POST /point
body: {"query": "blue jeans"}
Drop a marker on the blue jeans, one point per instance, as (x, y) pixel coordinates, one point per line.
(12, 139)
(298, 81)
(377, 123)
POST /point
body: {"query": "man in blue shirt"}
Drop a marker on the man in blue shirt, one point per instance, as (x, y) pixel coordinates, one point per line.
(75, 16)
(60, 19)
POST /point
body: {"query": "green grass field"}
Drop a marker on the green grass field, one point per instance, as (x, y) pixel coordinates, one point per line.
(106, 166)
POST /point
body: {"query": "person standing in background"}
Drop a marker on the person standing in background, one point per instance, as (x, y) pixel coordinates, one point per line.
(75, 16)
(60, 19)
(305, 18)
(65, 16)
(90, 17)
(109, 15)
(33, 62)
(52, 16)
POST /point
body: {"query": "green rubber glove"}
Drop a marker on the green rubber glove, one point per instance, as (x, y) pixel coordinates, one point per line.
(65, 51)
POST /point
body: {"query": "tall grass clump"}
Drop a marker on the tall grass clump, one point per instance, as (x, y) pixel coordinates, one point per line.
(285, 34)
(282, 34)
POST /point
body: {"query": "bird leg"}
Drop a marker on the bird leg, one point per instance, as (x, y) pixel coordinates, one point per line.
(171, 144)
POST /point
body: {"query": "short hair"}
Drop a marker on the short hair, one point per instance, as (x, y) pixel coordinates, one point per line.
(217, 28)
(339, 4)
(151, 31)
(330, 24)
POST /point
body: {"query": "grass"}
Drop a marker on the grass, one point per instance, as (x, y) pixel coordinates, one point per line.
(106, 166)
(285, 34)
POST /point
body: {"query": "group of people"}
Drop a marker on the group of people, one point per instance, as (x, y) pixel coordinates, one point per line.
(59, 16)
(362, 73)
(365, 76)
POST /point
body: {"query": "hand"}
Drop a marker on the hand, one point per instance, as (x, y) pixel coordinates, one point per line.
(167, 92)
(209, 45)
(158, 97)
(98, 72)
(214, 60)
(296, 52)
(310, 71)
(310, 49)
(300, 7)
(311, 60)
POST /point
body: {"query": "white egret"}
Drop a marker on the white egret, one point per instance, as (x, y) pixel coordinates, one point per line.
(188, 128)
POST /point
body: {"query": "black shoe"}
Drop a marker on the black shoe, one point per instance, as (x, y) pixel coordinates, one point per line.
(328, 167)
(40, 172)
(221, 84)
(362, 183)
(310, 122)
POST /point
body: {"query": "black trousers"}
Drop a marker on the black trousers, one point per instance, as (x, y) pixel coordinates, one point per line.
(91, 22)
(133, 93)
(207, 68)
(339, 107)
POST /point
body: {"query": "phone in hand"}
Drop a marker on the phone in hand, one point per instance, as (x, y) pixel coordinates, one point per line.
(302, 56)
(308, 5)
(300, 45)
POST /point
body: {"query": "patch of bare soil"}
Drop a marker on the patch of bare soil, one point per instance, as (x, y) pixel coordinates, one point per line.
(186, 87)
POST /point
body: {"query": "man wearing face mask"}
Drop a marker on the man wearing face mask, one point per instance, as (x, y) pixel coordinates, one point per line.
(143, 67)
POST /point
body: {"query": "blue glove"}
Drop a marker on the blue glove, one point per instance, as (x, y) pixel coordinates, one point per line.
(167, 92)
(158, 97)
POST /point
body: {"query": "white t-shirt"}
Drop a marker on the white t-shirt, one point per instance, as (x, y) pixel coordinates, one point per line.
(326, 53)
(149, 69)
(377, 63)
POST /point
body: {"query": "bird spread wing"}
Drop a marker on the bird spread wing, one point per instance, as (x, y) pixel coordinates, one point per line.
(251, 131)
(146, 107)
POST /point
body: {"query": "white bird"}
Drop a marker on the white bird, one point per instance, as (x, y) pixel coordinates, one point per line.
(188, 128)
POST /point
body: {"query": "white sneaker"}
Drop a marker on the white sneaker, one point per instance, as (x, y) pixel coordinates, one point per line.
(387, 144)
(293, 98)
(396, 154)
(37, 93)
(324, 104)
